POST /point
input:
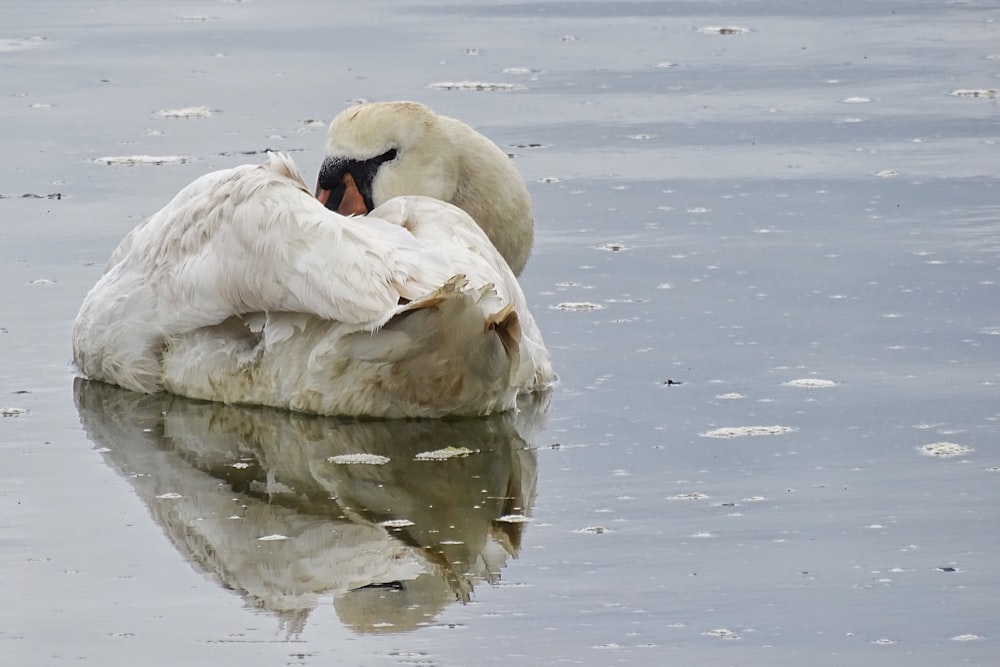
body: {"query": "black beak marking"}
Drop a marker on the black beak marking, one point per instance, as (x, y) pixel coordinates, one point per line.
(331, 177)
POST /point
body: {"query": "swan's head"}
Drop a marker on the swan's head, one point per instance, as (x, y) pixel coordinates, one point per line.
(378, 151)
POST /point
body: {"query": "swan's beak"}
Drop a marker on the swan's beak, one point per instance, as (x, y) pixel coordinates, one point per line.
(352, 202)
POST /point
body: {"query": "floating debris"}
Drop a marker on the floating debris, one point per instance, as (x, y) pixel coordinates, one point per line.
(276, 537)
(723, 30)
(186, 112)
(944, 450)
(513, 518)
(887, 173)
(169, 496)
(577, 306)
(744, 431)
(965, 638)
(612, 246)
(12, 412)
(476, 85)
(811, 383)
(666, 65)
(396, 523)
(362, 459)
(988, 93)
(133, 160)
(42, 281)
(442, 454)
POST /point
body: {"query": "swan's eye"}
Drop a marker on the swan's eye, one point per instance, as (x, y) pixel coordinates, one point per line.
(386, 156)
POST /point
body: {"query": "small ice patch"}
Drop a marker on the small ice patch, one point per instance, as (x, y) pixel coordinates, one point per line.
(513, 518)
(186, 112)
(132, 160)
(592, 530)
(722, 633)
(12, 412)
(742, 431)
(364, 459)
(988, 93)
(811, 383)
(693, 495)
(442, 454)
(396, 523)
(577, 306)
(475, 85)
(276, 537)
(944, 450)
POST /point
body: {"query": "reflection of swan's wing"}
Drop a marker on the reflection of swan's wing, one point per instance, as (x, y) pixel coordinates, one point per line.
(285, 474)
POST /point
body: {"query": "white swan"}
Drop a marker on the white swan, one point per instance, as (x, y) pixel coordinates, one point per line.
(246, 289)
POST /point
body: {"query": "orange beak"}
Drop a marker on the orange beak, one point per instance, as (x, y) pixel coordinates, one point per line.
(352, 203)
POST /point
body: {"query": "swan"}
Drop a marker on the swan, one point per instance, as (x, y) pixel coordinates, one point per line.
(246, 288)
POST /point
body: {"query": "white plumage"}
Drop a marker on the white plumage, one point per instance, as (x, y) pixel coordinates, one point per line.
(246, 289)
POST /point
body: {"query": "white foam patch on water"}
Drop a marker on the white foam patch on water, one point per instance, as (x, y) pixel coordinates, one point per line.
(475, 86)
(133, 160)
(944, 450)
(965, 638)
(732, 396)
(186, 112)
(442, 454)
(12, 412)
(612, 246)
(856, 99)
(276, 537)
(577, 306)
(169, 496)
(396, 523)
(745, 431)
(811, 383)
(513, 518)
(361, 459)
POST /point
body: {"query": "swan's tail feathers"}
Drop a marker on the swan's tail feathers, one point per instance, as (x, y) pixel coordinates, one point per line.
(507, 326)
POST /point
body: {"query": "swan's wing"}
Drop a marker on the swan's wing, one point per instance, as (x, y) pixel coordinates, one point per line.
(254, 239)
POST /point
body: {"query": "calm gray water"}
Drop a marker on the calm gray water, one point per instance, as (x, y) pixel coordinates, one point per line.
(791, 209)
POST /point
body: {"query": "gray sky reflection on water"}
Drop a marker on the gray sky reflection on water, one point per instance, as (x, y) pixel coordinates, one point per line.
(813, 198)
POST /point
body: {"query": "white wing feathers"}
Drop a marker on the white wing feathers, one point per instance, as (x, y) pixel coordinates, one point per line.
(243, 240)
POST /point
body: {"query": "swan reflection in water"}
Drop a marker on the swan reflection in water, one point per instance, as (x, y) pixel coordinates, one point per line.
(270, 505)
